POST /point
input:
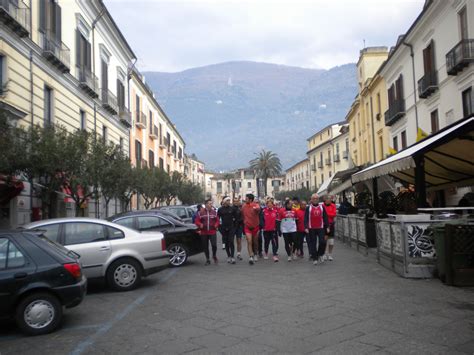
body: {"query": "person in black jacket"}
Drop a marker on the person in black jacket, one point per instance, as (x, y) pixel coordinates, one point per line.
(239, 225)
(228, 217)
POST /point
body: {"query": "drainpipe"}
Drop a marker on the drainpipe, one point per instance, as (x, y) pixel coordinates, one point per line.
(412, 55)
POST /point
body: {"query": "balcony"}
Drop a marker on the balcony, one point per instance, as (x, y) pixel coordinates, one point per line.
(313, 167)
(109, 101)
(125, 116)
(395, 111)
(320, 164)
(345, 154)
(337, 158)
(15, 15)
(153, 132)
(328, 161)
(428, 84)
(460, 56)
(55, 51)
(140, 119)
(88, 82)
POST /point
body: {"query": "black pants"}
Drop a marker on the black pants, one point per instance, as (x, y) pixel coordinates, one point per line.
(300, 237)
(316, 243)
(228, 235)
(271, 236)
(260, 242)
(205, 239)
(289, 242)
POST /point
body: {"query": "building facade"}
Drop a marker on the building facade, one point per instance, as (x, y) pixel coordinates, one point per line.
(297, 176)
(195, 171)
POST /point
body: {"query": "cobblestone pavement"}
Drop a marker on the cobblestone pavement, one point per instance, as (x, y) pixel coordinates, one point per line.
(349, 305)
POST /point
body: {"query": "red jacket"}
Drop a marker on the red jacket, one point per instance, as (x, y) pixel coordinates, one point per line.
(315, 217)
(300, 220)
(270, 216)
(331, 211)
(207, 222)
(250, 214)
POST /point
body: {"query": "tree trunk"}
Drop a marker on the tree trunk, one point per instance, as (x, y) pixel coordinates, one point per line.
(265, 186)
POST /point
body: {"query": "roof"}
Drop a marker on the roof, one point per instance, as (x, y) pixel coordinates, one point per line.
(294, 165)
(328, 126)
(448, 159)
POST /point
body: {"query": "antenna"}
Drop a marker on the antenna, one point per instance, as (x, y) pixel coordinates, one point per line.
(364, 42)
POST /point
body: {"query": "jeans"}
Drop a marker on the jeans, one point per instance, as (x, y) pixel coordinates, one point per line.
(316, 243)
(271, 236)
(228, 240)
(205, 239)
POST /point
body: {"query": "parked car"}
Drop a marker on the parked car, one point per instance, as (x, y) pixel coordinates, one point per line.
(182, 239)
(37, 279)
(119, 254)
(184, 212)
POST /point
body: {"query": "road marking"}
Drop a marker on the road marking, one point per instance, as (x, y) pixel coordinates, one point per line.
(105, 327)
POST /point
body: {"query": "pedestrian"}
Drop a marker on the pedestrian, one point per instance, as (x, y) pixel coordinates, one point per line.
(250, 214)
(239, 226)
(227, 216)
(208, 222)
(288, 227)
(261, 223)
(300, 229)
(315, 222)
(199, 208)
(331, 212)
(270, 216)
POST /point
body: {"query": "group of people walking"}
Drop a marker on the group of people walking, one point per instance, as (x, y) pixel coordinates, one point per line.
(261, 226)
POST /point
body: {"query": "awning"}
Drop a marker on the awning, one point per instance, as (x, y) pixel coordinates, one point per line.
(342, 181)
(448, 157)
(323, 189)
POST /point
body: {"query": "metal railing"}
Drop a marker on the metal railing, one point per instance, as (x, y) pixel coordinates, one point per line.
(88, 81)
(395, 111)
(460, 56)
(55, 51)
(154, 132)
(16, 15)
(428, 84)
(125, 116)
(328, 161)
(313, 167)
(345, 154)
(320, 164)
(109, 100)
(337, 158)
(140, 119)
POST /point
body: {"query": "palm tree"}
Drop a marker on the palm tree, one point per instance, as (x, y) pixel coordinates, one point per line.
(265, 165)
(229, 178)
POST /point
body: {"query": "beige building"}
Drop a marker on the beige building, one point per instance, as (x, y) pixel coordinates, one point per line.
(195, 171)
(328, 153)
(297, 176)
(63, 63)
(368, 141)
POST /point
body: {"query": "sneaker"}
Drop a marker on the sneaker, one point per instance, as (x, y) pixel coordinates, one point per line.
(321, 259)
(289, 258)
(223, 246)
(208, 262)
(294, 257)
(239, 257)
(330, 258)
(275, 258)
(215, 259)
(315, 262)
(229, 260)
(265, 256)
(232, 260)
(251, 260)
(255, 258)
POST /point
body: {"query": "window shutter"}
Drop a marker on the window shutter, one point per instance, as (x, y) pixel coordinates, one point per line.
(79, 64)
(57, 18)
(399, 87)
(88, 56)
(42, 14)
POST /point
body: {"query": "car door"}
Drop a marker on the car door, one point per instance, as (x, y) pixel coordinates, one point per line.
(89, 240)
(16, 269)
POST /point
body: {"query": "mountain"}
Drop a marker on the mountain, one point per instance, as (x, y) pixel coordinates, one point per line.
(228, 112)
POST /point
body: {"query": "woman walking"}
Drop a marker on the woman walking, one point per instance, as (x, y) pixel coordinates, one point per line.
(270, 216)
(288, 227)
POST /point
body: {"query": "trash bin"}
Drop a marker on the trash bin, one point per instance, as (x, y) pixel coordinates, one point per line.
(371, 233)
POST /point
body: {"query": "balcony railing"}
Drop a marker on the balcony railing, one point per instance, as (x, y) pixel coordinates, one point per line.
(153, 132)
(328, 161)
(88, 82)
(460, 56)
(55, 51)
(320, 164)
(313, 167)
(140, 119)
(125, 116)
(337, 158)
(16, 15)
(428, 84)
(109, 101)
(345, 154)
(395, 111)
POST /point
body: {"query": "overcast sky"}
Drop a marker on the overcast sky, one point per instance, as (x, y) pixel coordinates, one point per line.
(173, 35)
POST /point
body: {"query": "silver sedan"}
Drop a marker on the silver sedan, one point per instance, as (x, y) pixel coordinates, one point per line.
(107, 250)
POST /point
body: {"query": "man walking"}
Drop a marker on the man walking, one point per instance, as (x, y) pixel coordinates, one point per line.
(250, 215)
(300, 228)
(315, 222)
(331, 211)
(227, 215)
(239, 227)
(207, 221)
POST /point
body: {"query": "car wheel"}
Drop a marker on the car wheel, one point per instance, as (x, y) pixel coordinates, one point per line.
(39, 313)
(178, 254)
(124, 274)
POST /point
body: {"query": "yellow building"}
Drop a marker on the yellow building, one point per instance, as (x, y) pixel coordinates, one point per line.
(297, 176)
(368, 135)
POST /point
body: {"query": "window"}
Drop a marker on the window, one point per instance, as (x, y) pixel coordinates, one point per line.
(180, 153)
(219, 187)
(2, 75)
(463, 23)
(162, 164)
(82, 115)
(168, 140)
(181, 211)
(174, 148)
(337, 148)
(121, 143)
(467, 103)
(151, 158)
(168, 168)
(80, 233)
(148, 223)
(105, 135)
(395, 143)
(403, 137)
(330, 174)
(381, 147)
(249, 185)
(48, 105)
(161, 134)
(137, 107)
(50, 19)
(428, 58)
(138, 152)
(126, 222)
(379, 105)
(120, 95)
(322, 179)
(434, 121)
(114, 233)
(150, 115)
(51, 232)
(83, 56)
(104, 78)
(10, 256)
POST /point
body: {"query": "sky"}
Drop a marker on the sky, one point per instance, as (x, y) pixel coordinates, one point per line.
(174, 35)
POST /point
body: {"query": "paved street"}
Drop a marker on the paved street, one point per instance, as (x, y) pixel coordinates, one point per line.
(350, 305)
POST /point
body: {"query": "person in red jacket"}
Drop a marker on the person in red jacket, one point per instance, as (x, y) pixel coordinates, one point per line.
(270, 217)
(300, 229)
(316, 223)
(208, 222)
(251, 217)
(331, 211)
